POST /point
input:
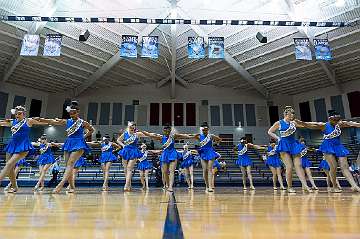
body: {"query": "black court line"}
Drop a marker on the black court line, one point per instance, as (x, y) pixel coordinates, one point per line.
(172, 226)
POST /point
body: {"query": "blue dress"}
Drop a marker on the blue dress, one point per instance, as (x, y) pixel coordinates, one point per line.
(20, 140)
(130, 151)
(287, 142)
(22, 163)
(169, 153)
(324, 165)
(332, 143)
(188, 159)
(107, 153)
(81, 162)
(46, 156)
(273, 159)
(305, 162)
(75, 140)
(206, 151)
(144, 163)
(243, 159)
(217, 165)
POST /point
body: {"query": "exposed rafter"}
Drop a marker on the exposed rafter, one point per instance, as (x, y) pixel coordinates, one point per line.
(233, 63)
(115, 59)
(35, 28)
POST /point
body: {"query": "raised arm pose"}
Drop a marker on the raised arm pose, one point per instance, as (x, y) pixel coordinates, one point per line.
(207, 154)
(130, 152)
(19, 146)
(244, 161)
(169, 156)
(289, 148)
(274, 163)
(332, 147)
(106, 158)
(45, 160)
(77, 131)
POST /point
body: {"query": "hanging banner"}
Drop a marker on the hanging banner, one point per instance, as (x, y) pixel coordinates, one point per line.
(322, 49)
(302, 49)
(196, 47)
(30, 45)
(216, 47)
(52, 46)
(150, 47)
(129, 46)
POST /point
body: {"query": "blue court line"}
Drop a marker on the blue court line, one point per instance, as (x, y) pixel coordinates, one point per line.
(172, 226)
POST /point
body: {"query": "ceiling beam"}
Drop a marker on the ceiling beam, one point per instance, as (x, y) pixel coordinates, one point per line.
(233, 63)
(114, 60)
(36, 28)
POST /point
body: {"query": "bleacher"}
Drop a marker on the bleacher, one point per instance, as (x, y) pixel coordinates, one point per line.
(92, 173)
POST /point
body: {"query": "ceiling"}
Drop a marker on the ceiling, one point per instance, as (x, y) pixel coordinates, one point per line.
(268, 68)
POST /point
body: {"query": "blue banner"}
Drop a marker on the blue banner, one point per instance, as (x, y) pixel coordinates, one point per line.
(302, 49)
(322, 49)
(129, 46)
(150, 47)
(216, 47)
(52, 46)
(196, 47)
(30, 45)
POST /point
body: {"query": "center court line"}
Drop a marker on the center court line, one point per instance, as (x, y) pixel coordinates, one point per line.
(172, 226)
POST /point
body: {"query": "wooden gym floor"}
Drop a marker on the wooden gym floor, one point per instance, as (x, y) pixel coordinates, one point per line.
(227, 213)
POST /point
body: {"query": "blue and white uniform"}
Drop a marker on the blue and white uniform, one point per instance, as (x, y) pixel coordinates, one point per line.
(169, 153)
(46, 156)
(332, 143)
(217, 165)
(107, 153)
(188, 159)
(22, 163)
(20, 140)
(206, 151)
(81, 162)
(243, 158)
(324, 165)
(305, 162)
(273, 158)
(287, 142)
(75, 140)
(130, 150)
(144, 163)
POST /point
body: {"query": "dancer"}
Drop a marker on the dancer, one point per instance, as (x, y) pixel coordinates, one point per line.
(19, 146)
(244, 161)
(45, 160)
(144, 166)
(107, 157)
(332, 147)
(306, 164)
(129, 153)
(217, 167)
(274, 163)
(207, 154)
(169, 155)
(187, 165)
(289, 148)
(74, 145)
(325, 167)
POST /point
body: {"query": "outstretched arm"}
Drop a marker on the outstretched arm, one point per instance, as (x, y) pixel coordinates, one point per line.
(5, 123)
(258, 147)
(217, 139)
(273, 129)
(90, 129)
(38, 120)
(116, 146)
(152, 135)
(94, 144)
(36, 144)
(57, 144)
(184, 136)
(309, 125)
(120, 140)
(349, 124)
